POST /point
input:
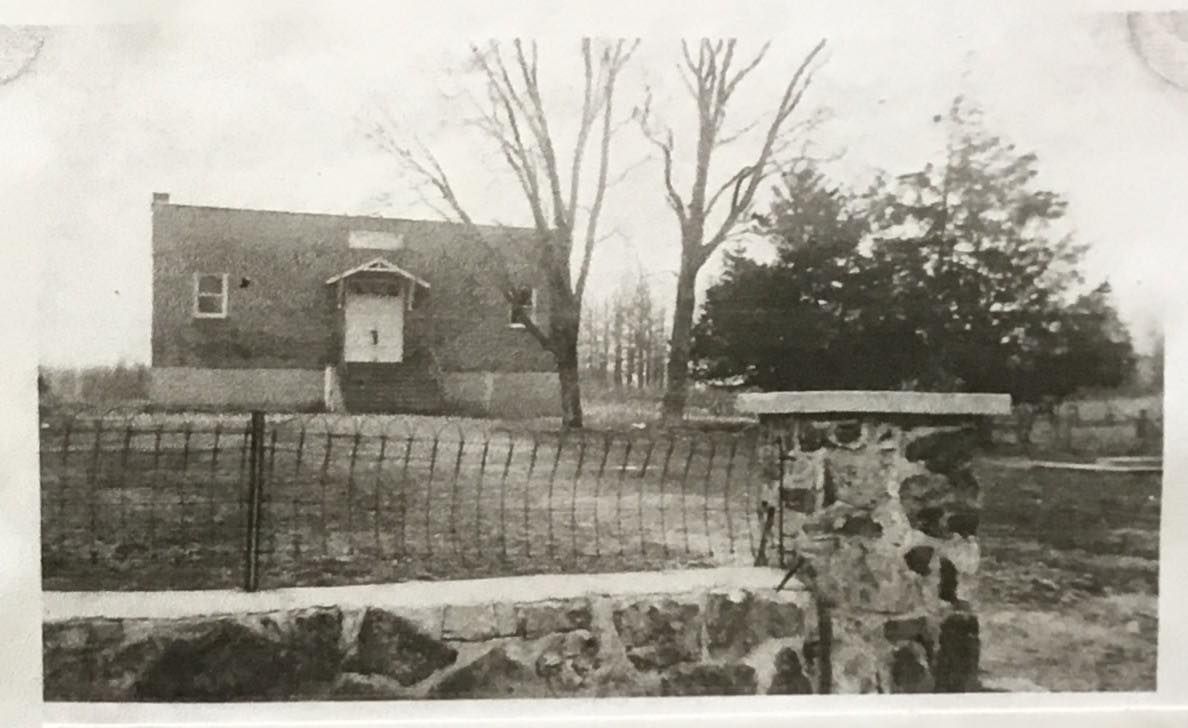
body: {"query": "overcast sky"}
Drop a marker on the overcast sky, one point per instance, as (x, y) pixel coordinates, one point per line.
(267, 114)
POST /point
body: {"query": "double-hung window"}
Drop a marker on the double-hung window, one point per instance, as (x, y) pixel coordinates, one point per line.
(210, 295)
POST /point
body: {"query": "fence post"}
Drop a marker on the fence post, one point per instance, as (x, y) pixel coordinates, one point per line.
(1142, 431)
(779, 501)
(251, 552)
(1074, 419)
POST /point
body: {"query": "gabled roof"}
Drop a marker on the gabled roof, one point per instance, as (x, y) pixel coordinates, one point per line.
(378, 265)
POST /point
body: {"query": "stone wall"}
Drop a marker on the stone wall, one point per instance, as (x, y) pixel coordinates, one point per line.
(878, 510)
(737, 641)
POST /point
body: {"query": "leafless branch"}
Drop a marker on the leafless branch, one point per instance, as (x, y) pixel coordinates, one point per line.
(731, 184)
(746, 183)
(665, 145)
(513, 116)
(614, 61)
(732, 84)
(583, 129)
(626, 171)
(544, 139)
(731, 138)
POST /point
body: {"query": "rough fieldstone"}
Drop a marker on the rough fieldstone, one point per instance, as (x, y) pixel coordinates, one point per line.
(567, 659)
(72, 635)
(861, 526)
(1011, 685)
(537, 620)
(735, 623)
(859, 478)
(470, 623)
(904, 630)
(854, 669)
(886, 437)
(854, 574)
(812, 437)
(659, 634)
(963, 523)
(828, 487)
(120, 669)
(846, 434)
(76, 664)
(789, 678)
(964, 553)
(313, 639)
(229, 662)
(800, 500)
(356, 686)
(68, 662)
(947, 591)
(956, 668)
(940, 505)
(393, 646)
(944, 451)
(909, 669)
(919, 559)
(507, 621)
(494, 675)
(701, 679)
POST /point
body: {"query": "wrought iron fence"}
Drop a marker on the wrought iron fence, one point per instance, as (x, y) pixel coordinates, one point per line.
(197, 501)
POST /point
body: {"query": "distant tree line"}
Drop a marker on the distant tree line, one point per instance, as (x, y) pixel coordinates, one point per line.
(623, 343)
(93, 384)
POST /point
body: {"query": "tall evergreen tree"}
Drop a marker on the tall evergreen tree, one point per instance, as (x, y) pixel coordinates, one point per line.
(955, 276)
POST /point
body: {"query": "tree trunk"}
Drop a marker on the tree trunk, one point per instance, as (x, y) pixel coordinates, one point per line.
(676, 392)
(618, 366)
(564, 333)
(604, 363)
(571, 389)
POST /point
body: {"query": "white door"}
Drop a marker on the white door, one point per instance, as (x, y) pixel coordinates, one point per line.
(374, 329)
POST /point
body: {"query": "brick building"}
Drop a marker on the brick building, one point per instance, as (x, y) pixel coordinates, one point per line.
(289, 310)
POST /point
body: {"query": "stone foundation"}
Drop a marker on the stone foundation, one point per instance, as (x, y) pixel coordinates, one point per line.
(509, 395)
(880, 507)
(237, 389)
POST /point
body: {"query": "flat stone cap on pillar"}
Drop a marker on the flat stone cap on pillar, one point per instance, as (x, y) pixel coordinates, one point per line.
(874, 402)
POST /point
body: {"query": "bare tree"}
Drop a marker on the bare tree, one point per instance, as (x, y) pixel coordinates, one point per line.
(513, 117)
(623, 338)
(711, 77)
(19, 49)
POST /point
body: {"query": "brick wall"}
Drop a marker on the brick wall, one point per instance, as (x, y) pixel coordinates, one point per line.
(282, 315)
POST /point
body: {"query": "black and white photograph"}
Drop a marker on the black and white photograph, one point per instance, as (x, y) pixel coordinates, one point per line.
(388, 358)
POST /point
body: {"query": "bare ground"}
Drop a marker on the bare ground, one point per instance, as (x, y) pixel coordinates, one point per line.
(1069, 588)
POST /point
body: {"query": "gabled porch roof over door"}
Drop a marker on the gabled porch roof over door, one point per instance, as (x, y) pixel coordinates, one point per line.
(378, 265)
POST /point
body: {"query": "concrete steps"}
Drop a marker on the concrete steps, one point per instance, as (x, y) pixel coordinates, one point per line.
(402, 387)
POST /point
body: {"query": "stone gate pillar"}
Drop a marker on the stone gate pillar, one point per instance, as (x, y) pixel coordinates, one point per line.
(880, 503)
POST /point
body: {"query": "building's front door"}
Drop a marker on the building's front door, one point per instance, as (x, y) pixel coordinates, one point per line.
(374, 330)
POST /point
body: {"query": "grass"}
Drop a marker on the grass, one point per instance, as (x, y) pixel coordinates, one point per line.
(400, 498)
(1069, 577)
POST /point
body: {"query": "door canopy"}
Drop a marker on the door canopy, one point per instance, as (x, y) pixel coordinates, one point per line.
(382, 266)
